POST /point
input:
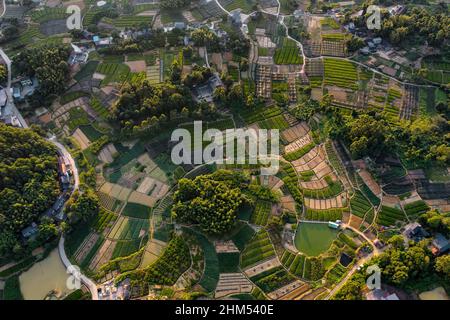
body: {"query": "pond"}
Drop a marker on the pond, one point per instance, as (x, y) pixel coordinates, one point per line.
(43, 277)
(313, 239)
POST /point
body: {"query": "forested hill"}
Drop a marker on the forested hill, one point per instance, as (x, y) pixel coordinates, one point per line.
(28, 182)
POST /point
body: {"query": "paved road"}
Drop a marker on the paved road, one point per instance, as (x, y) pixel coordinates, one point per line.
(10, 108)
(62, 253)
(88, 282)
(71, 160)
(348, 276)
(362, 261)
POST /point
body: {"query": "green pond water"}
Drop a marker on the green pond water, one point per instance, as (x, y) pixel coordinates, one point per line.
(314, 238)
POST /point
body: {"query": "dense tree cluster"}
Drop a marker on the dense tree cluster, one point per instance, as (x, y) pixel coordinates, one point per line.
(205, 37)
(415, 21)
(82, 205)
(421, 143)
(48, 64)
(436, 221)
(142, 105)
(210, 200)
(28, 182)
(425, 140)
(402, 267)
(399, 264)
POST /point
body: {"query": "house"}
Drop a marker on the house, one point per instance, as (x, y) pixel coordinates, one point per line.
(396, 10)
(379, 294)
(333, 225)
(30, 231)
(377, 40)
(12, 121)
(205, 92)
(102, 42)
(179, 25)
(365, 50)
(440, 244)
(414, 231)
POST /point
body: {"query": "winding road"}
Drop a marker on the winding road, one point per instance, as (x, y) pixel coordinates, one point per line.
(62, 253)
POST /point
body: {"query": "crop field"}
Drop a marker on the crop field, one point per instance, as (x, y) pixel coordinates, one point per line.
(261, 213)
(114, 72)
(130, 21)
(370, 195)
(90, 132)
(324, 215)
(259, 248)
(259, 114)
(104, 220)
(329, 22)
(297, 154)
(273, 280)
(359, 204)
(277, 122)
(48, 14)
(99, 108)
(333, 189)
(297, 264)
(340, 73)
(77, 118)
(388, 216)
(27, 37)
(136, 210)
(127, 155)
(243, 236)
(128, 229)
(338, 37)
(211, 272)
(289, 53)
(245, 5)
(125, 248)
(336, 273)
(416, 208)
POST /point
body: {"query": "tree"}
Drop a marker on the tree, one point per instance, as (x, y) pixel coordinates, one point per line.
(442, 265)
(397, 241)
(28, 181)
(49, 65)
(47, 229)
(355, 43)
(3, 73)
(175, 72)
(209, 200)
(82, 205)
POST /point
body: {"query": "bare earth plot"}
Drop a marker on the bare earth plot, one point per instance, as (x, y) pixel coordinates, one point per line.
(264, 266)
(232, 283)
(81, 139)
